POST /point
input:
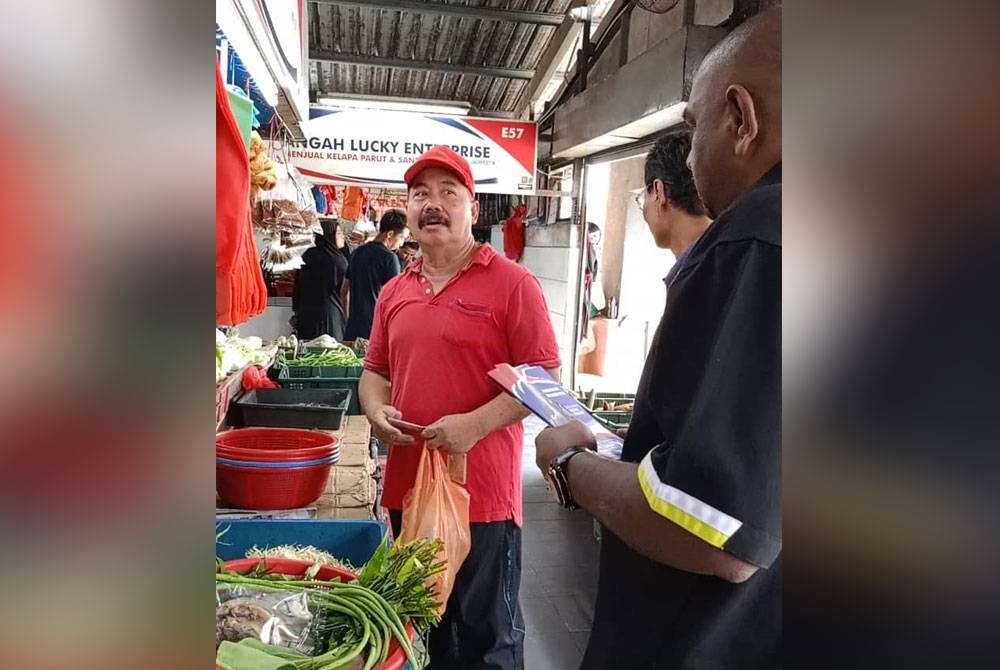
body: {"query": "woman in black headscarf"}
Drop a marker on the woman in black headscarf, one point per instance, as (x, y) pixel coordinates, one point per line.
(317, 303)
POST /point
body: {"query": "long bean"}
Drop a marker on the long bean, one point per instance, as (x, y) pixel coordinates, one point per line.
(380, 607)
(360, 614)
(374, 612)
(336, 661)
(367, 608)
(389, 614)
(341, 357)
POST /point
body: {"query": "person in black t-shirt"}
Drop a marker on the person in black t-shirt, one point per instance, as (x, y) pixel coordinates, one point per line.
(372, 266)
(690, 574)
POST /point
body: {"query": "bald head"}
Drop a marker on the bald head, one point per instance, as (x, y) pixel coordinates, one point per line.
(735, 110)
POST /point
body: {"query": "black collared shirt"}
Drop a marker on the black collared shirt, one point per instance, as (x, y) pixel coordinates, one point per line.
(706, 435)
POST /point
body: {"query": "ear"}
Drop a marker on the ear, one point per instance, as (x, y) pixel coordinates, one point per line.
(660, 192)
(475, 212)
(743, 117)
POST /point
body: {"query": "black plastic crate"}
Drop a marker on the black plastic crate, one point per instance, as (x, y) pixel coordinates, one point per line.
(292, 408)
(325, 382)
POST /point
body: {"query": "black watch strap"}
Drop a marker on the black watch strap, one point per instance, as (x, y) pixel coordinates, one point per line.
(558, 470)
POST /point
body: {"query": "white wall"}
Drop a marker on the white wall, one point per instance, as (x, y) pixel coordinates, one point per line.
(272, 323)
(552, 254)
(632, 267)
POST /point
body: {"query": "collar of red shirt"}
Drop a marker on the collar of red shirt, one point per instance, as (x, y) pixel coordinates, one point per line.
(484, 256)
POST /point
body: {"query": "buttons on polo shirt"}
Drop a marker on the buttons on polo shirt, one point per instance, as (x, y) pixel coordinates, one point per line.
(427, 291)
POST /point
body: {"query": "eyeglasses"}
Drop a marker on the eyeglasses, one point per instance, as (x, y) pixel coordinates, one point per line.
(640, 198)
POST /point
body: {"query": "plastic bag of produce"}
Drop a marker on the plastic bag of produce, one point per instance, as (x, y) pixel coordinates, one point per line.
(289, 205)
(273, 617)
(278, 209)
(437, 507)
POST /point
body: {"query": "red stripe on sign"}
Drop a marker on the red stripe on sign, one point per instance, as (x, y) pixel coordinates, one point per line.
(518, 138)
(386, 183)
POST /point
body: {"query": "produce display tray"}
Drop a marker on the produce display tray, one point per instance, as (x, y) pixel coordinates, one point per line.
(601, 398)
(325, 381)
(607, 402)
(320, 371)
(318, 350)
(617, 419)
(289, 408)
(353, 541)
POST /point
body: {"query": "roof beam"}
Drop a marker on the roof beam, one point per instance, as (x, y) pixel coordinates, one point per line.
(433, 66)
(489, 13)
(562, 40)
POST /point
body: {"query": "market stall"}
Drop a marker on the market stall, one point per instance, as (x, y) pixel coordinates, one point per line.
(306, 574)
(297, 479)
(305, 390)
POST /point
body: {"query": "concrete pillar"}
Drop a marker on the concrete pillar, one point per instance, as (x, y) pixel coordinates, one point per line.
(625, 176)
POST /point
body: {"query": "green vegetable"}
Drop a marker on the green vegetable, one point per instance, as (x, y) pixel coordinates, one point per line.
(341, 357)
(402, 575)
(231, 656)
(273, 649)
(350, 619)
(357, 620)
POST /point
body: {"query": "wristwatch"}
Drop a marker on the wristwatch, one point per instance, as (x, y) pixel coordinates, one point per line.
(557, 474)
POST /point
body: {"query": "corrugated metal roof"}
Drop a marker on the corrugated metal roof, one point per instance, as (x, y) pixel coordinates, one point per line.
(391, 33)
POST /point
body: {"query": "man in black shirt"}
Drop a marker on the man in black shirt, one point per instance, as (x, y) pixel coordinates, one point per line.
(372, 266)
(690, 561)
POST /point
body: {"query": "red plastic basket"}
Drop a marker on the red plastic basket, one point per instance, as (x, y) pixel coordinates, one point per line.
(286, 566)
(275, 438)
(275, 444)
(270, 489)
(276, 455)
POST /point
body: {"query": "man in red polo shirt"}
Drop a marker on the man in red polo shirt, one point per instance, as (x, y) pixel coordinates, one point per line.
(439, 328)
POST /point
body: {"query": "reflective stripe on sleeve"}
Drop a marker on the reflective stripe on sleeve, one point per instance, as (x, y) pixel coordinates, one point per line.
(699, 518)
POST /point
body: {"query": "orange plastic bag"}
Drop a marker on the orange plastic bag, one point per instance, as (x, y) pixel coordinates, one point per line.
(438, 507)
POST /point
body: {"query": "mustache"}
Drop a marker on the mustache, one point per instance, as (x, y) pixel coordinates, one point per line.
(431, 218)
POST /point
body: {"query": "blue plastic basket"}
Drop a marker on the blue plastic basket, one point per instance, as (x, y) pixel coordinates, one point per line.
(329, 460)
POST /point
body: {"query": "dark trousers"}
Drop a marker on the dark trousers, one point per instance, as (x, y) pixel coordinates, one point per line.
(482, 627)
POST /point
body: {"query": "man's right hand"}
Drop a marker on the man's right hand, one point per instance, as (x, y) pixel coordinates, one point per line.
(383, 430)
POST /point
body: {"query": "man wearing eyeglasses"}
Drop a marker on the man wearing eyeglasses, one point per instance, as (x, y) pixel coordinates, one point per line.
(670, 203)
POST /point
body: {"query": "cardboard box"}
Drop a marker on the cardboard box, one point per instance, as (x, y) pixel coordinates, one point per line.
(352, 486)
(355, 441)
(327, 508)
(356, 431)
(353, 455)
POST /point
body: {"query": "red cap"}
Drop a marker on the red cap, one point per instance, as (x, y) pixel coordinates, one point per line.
(442, 157)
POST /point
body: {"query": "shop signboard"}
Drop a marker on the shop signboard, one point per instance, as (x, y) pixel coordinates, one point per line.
(367, 147)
